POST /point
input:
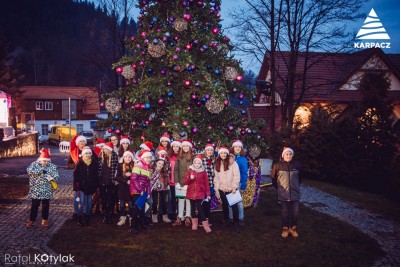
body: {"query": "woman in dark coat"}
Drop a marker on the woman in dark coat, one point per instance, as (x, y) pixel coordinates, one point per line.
(86, 182)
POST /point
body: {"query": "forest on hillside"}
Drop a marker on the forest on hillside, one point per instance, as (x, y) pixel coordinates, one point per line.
(62, 42)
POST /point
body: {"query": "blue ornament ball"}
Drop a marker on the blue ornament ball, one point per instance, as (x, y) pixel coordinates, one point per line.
(243, 111)
(182, 134)
(113, 128)
(116, 117)
(155, 41)
(147, 106)
(144, 125)
(216, 72)
(170, 93)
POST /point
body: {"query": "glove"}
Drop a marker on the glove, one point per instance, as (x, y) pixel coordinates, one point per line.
(178, 186)
(217, 194)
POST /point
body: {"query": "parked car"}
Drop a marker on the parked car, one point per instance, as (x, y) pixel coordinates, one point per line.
(43, 138)
(89, 137)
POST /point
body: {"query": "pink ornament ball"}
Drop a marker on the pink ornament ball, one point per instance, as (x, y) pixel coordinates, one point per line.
(119, 70)
(215, 31)
(185, 123)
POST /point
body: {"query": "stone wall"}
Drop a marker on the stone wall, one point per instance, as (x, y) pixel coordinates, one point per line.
(22, 145)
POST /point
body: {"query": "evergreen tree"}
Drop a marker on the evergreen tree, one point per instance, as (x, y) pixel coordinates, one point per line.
(178, 78)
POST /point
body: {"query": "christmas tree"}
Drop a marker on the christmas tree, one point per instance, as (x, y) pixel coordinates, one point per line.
(180, 77)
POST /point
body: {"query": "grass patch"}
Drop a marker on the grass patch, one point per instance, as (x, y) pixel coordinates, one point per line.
(12, 190)
(323, 241)
(374, 203)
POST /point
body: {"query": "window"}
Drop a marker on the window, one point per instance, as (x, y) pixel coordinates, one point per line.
(45, 129)
(79, 128)
(48, 105)
(39, 105)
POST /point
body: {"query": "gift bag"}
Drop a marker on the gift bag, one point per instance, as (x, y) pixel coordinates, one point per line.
(141, 200)
(181, 192)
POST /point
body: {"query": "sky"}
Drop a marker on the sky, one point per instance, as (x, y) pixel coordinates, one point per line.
(388, 12)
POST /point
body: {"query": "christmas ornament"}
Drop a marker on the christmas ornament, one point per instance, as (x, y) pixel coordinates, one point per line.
(231, 73)
(180, 25)
(255, 151)
(182, 134)
(195, 130)
(215, 105)
(185, 123)
(113, 105)
(156, 50)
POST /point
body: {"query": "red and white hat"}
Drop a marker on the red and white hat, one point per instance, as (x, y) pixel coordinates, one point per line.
(237, 143)
(162, 153)
(147, 145)
(145, 153)
(124, 139)
(100, 142)
(187, 143)
(287, 149)
(198, 157)
(165, 137)
(44, 155)
(129, 153)
(176, 143)
(223, 149)
(109, 146)
(209, 146)
(80, 138)
(87, 149)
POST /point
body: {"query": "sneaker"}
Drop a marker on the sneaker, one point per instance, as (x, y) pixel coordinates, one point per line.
(293, 231)
(45, 223)
(29, 224)
(285, 232)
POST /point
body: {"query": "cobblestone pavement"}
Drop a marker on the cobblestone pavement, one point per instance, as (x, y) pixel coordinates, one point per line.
(385, 232)
(18, 241)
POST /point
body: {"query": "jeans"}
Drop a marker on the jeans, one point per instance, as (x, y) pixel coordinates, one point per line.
(85, 204)
(122, 207)
(197, 204)
(160, 199)
(76, 209)
(148, 206)
(289, 213)
(225, 208)
(35, 208)
(240, 209)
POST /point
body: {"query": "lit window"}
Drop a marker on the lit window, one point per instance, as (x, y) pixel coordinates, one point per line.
(39, 105)
(48, 105)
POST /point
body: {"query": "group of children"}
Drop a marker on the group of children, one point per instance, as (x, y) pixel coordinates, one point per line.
(175, 183)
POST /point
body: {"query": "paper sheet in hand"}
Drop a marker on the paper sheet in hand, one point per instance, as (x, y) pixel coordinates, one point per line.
(234, 198)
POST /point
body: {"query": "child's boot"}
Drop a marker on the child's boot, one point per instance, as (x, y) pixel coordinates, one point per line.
(206, 226)
(195, 223)
(285, 232)
(293, 231)
(121, 221)
(166, 219)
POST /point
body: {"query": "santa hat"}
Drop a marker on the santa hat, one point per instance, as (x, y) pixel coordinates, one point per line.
(287, 149)
(223, 149)
(145, 153)
(109, 146)
(162, 153)
(237, 143)
(176, 143)
(209, 146)
(44, 154)
(125, 139)
(187, 143)
(165, 137)
(87, 149)
(198, 157)
(129, 153)
(80, 138)
(100, 142)
(147, 145)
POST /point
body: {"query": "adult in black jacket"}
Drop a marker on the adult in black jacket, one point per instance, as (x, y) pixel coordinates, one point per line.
(286, 179)
(86, 182)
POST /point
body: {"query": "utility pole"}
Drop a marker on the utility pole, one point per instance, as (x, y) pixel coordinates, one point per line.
(272, 60)
(69, 116)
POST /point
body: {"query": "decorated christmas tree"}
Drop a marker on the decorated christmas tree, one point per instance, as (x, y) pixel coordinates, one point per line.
(180, 77)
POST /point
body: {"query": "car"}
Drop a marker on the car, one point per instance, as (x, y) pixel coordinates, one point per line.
(89, 137)
(42, 138)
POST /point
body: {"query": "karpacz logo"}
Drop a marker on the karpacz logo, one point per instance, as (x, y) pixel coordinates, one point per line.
(372, 29)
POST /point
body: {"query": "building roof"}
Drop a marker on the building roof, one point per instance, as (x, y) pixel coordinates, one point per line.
(326, 73)
(89, 95)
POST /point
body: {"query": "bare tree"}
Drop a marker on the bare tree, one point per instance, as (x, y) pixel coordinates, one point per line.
(296, 28)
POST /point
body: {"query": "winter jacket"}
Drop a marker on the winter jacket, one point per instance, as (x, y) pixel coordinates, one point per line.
(198, 188)
(286, 178)
(227, 180)
(107, 174)
(244, 168)
(172, 161)
(86, 178)
(181, 166)
(158, 182)
(140, 180)
(123, 186)
(39, 186)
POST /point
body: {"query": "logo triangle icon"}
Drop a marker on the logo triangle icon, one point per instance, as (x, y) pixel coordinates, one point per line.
(372, 28)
